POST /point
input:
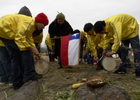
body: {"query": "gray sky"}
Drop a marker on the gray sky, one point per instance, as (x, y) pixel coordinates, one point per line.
(77, 12)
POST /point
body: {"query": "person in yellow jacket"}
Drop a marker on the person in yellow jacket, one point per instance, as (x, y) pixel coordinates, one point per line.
(50, 47)
(16, 33)
(93, 41)
(122, 28)
(83, 41)
(37, 34)
(5, 65)
(38, 37)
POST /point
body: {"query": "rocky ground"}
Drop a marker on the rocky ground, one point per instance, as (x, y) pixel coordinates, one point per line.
(56, 83)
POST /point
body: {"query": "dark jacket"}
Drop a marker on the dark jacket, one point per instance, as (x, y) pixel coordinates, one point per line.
(56, 30)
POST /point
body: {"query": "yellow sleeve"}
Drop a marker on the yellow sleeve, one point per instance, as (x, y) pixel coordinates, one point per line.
(93, 50)
(104, 41)
(49, 42)
(23, 37)
(117, 36)
(91, 45)
(2, 44)
(94, 42)
(87, 44)
(83, 32)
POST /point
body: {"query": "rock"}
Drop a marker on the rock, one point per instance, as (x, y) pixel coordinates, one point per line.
(29, 91)
(6, 92)
(105, 92)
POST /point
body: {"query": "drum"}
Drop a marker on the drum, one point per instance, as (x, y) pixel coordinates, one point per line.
(108, 63)
(41, 66)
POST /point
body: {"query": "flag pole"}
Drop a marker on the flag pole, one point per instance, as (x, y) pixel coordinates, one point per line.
(56, 38)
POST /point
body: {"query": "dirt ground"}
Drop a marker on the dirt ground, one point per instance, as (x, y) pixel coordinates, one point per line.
(57, 82)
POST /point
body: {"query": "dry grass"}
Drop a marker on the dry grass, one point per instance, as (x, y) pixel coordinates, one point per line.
(58, 82)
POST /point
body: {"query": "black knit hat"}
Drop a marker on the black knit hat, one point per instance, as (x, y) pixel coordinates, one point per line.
(87, 27)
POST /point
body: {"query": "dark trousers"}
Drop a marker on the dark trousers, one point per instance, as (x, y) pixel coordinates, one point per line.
(5, 66)
(22, 62)
(81, 49)
(124, 53)
(51, 55)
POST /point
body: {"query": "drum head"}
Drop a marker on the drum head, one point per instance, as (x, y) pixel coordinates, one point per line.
(109, 63)
(41, 66)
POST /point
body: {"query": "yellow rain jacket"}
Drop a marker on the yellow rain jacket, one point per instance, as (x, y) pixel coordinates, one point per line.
(83, 36)
(38, 39)
(119, 27)
(92, 43)
(18, 28)
(49, 42)
(2, 44)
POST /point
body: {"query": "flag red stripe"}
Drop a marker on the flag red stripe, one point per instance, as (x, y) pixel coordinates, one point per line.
(64, 50)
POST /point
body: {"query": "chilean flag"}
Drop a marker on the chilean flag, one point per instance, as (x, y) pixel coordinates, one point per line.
(70, 47)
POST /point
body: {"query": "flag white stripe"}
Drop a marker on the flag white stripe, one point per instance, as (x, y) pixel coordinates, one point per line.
(73, 50)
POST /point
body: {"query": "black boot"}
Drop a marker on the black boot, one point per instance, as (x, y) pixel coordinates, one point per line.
(137, 75)
(119, 71)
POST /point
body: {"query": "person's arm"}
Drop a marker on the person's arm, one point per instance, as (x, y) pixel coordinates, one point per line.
(26, 43)
(69, 28)
(104, 41)
(52, 30)
(117, 27)
(23, 37)
(49, 42)
(35, 52)
(117, 36)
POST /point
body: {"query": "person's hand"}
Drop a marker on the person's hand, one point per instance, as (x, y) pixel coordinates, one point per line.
(35, 52)
(97, 47)
(38, 46)
(52, 50)
(109, 54)
(55, 37)
(84, 54)
(104, 52)
(96, 59)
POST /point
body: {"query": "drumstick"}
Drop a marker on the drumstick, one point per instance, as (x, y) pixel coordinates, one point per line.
(101, 58)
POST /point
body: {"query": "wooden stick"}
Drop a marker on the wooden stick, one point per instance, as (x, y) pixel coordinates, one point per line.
(101, 58)
(56, 38)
